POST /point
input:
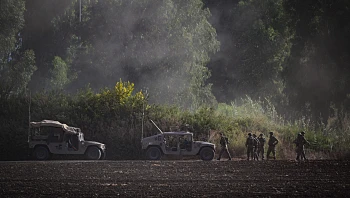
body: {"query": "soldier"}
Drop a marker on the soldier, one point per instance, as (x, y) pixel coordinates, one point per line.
(250, 146)
(224, 148)
(255, 147)
(186, 128)
(272, 144)
(300, 142)
(261, 149)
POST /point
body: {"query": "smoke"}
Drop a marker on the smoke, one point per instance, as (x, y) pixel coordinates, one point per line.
(254, 48)
(231, 23)
(150, 43)
(37, 36)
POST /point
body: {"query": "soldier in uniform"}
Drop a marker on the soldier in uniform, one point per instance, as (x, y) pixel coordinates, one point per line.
(250, 146)
(224, 148)
(272, 144)
(186, 128)
(261, 149)
(255, 147)
(300, 143)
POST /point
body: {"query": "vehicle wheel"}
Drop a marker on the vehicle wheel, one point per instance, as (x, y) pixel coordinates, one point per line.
(93, 153)
(41, 153)
(207, 154)
(153, 153)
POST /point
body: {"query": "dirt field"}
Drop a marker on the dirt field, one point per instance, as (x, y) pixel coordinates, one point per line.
(174, 179)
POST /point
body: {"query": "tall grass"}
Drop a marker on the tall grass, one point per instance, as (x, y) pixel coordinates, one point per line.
(326, 140)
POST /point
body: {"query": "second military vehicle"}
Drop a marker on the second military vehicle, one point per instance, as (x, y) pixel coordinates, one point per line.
(176, 143)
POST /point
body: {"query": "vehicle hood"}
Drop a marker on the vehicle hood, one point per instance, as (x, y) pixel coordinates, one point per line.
(93, 143)
(146, 139)
(204, 143)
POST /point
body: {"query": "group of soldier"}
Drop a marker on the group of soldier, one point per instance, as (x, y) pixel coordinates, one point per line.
(256, 146)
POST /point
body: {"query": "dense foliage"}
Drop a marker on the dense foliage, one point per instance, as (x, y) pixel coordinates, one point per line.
(16, 65)
(256, 42)
(219, 65)
(294, 52)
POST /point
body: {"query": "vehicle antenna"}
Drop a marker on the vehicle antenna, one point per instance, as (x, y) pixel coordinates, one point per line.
(30, 101)
(156, 126)
(79, 10)
(143, 117)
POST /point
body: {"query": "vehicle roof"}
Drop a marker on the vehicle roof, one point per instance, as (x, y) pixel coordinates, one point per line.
(53, 123)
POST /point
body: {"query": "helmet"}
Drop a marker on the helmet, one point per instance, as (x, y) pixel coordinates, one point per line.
(261, 134)
(271, 133)
(249, 134)
(302, 133)
(254, 135)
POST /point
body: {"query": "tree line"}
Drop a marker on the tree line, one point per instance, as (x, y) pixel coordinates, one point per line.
(184, 53)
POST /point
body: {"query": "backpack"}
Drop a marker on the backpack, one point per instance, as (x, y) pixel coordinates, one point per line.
(256, 142)
(298, 140)
(226, 139)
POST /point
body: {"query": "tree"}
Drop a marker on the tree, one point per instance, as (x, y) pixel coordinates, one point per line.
(11, 21)
(59, 74)
(317, 75)
(16, 66)
(256, 41)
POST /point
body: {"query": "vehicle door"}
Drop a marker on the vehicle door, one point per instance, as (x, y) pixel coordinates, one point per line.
(186, 144)
(171, 144)
(55, 139)
(72, 143)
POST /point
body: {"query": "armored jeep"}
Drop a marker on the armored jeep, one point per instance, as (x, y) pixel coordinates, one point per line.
(49, 137)
(176, 143)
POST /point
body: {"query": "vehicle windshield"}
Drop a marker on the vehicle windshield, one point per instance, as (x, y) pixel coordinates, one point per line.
(188, 138)
(81, 136)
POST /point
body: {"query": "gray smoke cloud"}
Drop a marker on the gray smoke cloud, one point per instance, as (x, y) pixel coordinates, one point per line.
(135, 42)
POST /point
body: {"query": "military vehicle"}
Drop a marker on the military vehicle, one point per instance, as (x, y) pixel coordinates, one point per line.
(49, 137)
(176, 143)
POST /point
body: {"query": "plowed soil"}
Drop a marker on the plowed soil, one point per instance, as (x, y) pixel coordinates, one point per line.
(175, 179)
